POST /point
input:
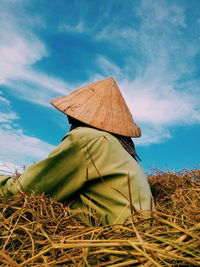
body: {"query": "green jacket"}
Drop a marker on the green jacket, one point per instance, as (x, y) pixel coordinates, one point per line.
(90, 167)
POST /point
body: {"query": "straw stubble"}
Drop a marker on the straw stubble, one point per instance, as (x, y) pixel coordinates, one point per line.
(37, 231)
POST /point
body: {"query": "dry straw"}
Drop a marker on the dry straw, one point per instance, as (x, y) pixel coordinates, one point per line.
(36, 231)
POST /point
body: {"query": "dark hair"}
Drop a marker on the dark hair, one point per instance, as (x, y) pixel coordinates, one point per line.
(76, 122)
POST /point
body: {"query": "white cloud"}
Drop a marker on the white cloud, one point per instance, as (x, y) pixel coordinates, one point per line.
(19, 51)
(17, 148)
(152, 135)
(161, 104)
(160, 11)
(77, 28)
(151, 81)
(7, 115)
(162, 92)
(155, 110)
(124, 36)
(107, 67)
(20, 48)
(33, 83)
(155, 102)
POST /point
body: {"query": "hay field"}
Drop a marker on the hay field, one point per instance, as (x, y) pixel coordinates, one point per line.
(36, 231)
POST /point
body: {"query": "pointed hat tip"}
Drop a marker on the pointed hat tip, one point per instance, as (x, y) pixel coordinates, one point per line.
(111, 79)
(100, 105)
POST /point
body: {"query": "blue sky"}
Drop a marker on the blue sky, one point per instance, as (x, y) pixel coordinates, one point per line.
(151, 47)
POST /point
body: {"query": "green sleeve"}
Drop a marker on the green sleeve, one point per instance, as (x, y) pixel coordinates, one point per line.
(3, 179)
(59, 176)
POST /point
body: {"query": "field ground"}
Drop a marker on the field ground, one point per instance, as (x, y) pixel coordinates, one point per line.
(36, 231)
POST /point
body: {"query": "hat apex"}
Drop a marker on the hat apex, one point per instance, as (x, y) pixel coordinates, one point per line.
(101, 105)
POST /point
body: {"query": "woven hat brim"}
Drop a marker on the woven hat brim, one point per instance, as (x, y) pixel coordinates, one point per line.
(100, 105)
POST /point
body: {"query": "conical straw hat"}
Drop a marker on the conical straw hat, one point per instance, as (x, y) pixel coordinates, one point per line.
(100, 105)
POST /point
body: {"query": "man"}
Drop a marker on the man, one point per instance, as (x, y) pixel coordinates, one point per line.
(95, 167)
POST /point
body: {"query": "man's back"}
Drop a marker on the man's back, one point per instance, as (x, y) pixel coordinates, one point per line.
(90, 169)
(108, 166)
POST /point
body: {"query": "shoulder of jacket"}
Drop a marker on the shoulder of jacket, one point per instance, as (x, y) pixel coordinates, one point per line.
(88, 132)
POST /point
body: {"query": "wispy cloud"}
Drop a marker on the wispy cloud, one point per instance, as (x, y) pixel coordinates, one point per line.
(20, 48)
(31, 83)
(161, 92)
(19, 51)
(107, 67)
(17, 148)
(157, 76)
(161, 11)
(161, 107)
(7, 115)
(77, 28)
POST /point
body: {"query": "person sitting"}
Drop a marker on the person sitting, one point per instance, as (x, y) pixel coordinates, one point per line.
(96, 165)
